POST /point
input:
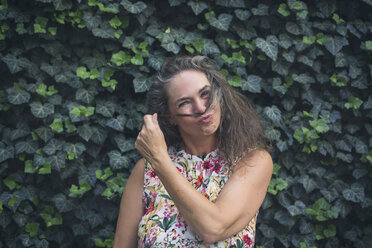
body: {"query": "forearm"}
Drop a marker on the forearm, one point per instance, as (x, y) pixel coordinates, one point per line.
(202, 215)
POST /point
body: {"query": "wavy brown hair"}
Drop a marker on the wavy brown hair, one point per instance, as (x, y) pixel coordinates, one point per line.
(240, 128)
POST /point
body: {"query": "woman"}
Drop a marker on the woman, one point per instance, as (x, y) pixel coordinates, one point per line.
(204, 172)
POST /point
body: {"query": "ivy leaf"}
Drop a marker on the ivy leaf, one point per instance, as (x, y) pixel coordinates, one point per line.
(135, 8)
(53, 146)
(141, 83)
(222, 23)
(293, 28)
(6, 153)
(197, 7)
(335, 44)
(273, 113)
(62, 203)
(261, 10)
(231, 3)
(121, 58)
(327, 7)
(41, 111)
(18, 96)
(86, 95)
(242, 14)
(50, 69)
(117, 161)
(85, 131)
(117, 123)
(14, 64)
(77, 148)
(353, 102)
(171, 47)
(308, 183)
(269, 46)
(44, 133)
(99, 135)
(29, 147)
(252, 84)
(107, 108)
(104, 32)
(80, 229)
(210, 47)
(124, 144)
(62, 5)
(355, 193)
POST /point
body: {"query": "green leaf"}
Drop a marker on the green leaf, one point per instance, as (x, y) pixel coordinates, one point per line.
(337, 18)
(137, 59)
(29, 167)
(10, 182)
(115, 22)
(235, 81)
(198, 44)
(82, 72)
(368, 45)
(135, 8)
(276, 185)
(319, 125)
(222, 23)
(269, 46)
(353, 102)
(78, 191)
(46, 169)
(283, 10)
(107, 173)
(57, 125)
(121, 58)
(32, 228)
(51, 217)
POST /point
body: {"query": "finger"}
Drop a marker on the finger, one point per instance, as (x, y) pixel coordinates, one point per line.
(148, 121)
(155, 119)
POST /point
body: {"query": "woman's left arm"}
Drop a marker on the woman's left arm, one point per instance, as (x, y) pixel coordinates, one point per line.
(238, 201)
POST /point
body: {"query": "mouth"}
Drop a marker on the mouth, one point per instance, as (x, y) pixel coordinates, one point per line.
(205, 119)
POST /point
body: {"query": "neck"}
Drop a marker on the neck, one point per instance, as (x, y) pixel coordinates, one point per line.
(199, 147)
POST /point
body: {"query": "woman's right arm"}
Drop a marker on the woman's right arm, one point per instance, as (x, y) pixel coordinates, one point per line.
(131, 209)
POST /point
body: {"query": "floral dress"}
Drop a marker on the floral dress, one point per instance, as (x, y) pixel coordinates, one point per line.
(163, 226)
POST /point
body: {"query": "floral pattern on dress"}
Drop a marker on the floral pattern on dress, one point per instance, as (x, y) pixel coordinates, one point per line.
(163, 226)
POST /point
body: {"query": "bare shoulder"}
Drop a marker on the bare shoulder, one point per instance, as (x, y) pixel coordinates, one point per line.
(257, 160)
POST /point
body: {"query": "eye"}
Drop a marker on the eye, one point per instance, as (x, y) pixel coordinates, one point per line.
(205, 93)
(182, 104)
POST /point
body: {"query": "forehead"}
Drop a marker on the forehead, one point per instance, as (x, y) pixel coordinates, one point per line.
(185, 83)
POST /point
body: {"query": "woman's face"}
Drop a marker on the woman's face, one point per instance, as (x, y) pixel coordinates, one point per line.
(188, 93)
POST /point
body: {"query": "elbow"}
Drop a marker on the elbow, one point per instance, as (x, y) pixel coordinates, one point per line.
(212, 234)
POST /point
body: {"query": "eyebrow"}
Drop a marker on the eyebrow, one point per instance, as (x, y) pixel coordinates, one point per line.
(185, 98)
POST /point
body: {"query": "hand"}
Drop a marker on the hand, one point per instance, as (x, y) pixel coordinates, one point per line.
(150, 141)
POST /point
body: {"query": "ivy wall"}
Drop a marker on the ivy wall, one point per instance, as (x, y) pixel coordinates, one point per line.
(73, 79)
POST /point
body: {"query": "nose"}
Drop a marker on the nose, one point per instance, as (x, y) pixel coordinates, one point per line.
(200, 106)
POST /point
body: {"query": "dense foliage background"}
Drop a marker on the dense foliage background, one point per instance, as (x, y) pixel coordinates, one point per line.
(73, 79)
